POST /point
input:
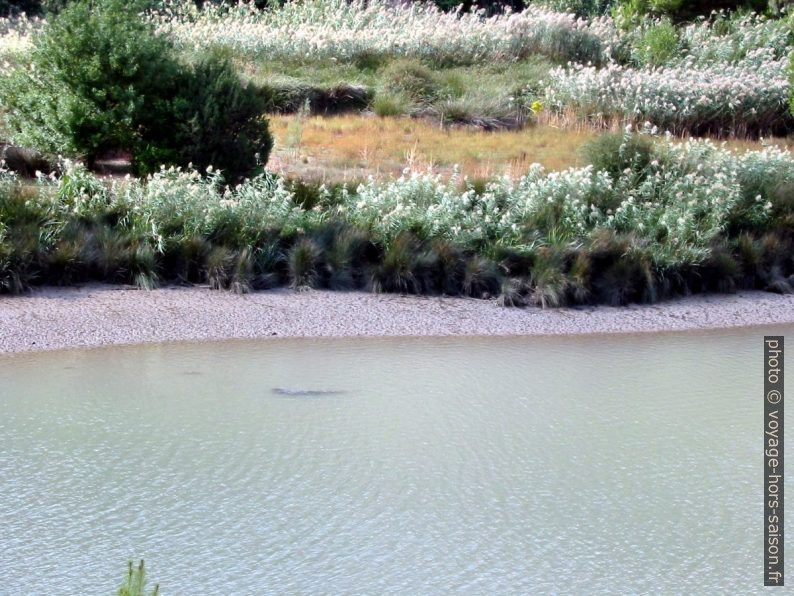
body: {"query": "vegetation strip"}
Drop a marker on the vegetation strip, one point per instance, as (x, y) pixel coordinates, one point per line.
(646, 220)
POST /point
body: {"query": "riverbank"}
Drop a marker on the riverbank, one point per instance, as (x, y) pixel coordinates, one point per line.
(97, 315)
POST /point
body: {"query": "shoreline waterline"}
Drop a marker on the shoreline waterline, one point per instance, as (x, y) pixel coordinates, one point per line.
(102, 315)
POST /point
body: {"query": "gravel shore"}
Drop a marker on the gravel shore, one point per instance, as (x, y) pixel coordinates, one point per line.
(95, 315)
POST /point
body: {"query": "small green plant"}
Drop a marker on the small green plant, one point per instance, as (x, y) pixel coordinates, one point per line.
(615, 153)
(413, 80)
(295, 128)
(390, 104)
(658, 44)
(135, 582)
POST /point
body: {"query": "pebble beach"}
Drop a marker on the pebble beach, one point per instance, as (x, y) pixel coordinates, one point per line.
(99, 315)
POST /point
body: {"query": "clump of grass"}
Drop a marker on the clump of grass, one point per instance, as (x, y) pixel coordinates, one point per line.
(304, 264)
(440, 268)
(622, 269)
(143, 267)
(219, 267)
(481, 278)
(549, 285)
(615, 153)
(184, 260)
(396, 272)
(513, 293)
(268, 266)
(390, 104)
(579, 276)
(135, 582)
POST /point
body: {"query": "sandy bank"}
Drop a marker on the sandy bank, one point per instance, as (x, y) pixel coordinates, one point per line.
(53, 318)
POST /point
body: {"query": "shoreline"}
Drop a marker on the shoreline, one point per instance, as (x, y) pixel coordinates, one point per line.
(102, 315)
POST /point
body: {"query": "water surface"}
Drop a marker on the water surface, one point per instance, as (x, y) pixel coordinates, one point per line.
(576, 465)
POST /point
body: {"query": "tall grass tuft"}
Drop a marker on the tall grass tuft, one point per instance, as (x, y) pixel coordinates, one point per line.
(135, 582)
(397, 270)
(304, 264)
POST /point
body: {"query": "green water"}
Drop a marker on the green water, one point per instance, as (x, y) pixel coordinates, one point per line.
(571, 465)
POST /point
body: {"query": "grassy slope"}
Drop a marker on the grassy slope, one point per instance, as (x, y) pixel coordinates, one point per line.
(479, 90)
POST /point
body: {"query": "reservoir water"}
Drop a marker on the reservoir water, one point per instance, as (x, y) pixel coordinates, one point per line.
(626, 463)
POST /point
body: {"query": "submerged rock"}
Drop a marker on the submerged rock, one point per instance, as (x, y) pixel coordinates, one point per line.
(297, 392)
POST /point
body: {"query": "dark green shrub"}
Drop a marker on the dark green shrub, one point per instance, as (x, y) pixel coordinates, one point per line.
(304, 264)
(658, 44)
(481, 278)
(217, 120)
(14, 7)
(413, 80)
(614, 153)
(100, 79)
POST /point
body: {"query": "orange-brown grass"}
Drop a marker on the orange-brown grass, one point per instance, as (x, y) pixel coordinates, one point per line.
(572, 120)
(352, 147)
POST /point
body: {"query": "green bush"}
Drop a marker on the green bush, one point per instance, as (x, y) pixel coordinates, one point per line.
(615, 153)
(412, 79)
(581, 8)
(218, 121)
(658, 44)
(628, 12)
(101, 80)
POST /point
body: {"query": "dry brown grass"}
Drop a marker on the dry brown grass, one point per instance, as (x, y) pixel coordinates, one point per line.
(351, 147)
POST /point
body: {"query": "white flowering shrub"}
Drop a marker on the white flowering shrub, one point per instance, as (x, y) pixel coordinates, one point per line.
(338, 29)
(15, 35)
(727, 75)
(734, 39)
(747, 96)
(685, 201)
(177, 203)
